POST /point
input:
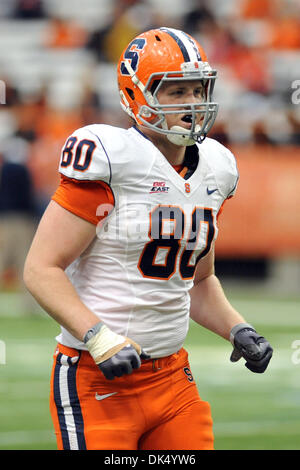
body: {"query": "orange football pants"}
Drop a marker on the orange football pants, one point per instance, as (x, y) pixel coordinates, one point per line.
(156, 407)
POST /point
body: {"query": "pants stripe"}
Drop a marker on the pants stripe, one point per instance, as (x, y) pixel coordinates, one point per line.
(67, 403)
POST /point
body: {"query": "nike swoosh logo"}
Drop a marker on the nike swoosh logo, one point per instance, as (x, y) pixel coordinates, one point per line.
(210, 191)
(102, 397)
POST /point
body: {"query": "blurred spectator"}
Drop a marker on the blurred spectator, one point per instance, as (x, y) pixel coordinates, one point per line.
(260, 136)
(129, 18)
(64, 33)
(43, 164)
(199, 20)
(90, 106)
(6, 8)
(52, 130)
(120, 27)
(285, 33)
(217, 41)
(57, 124)
(12, 94)
(294, 122)
(250, 66)
(219, 133)
(282, 18)
(248, 75)
(17, 211)
(27, 117)
(254, 9)
(29, 10)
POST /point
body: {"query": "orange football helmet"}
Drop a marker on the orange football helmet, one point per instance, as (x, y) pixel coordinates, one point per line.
(158, 56)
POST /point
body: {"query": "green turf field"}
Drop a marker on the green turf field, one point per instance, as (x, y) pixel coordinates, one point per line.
(250, 411)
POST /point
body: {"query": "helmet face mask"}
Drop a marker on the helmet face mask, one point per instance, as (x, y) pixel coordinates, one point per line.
(160, 62)
(205, 111)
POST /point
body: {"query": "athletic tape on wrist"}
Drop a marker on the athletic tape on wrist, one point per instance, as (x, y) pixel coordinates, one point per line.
(105, 344)
(103, 341)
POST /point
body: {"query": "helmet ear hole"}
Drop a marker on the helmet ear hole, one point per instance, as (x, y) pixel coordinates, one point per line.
(154, 86)
(130, 93)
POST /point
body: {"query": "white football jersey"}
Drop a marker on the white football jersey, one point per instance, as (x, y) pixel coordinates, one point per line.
(137, 273)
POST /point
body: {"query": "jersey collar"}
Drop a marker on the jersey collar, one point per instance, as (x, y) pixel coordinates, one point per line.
(140, 132)
(191, 157)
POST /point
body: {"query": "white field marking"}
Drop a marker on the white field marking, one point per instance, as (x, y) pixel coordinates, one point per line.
(13, 438)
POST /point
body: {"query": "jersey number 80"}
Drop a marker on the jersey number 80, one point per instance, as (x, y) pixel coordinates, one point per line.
(172, 242)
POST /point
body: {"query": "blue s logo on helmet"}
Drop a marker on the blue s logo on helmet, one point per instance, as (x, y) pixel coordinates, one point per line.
(132, 54)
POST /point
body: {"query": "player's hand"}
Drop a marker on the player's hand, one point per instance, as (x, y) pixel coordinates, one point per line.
(114, 354)
(123, 362)
(247, 343)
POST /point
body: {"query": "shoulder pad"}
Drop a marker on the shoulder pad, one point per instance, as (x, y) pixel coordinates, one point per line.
(223, 165)
(84, 156)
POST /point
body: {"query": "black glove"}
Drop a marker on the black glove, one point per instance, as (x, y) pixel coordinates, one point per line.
(251, 346)
(123, 362)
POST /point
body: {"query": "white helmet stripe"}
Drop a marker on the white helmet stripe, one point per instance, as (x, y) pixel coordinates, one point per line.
(187, 45)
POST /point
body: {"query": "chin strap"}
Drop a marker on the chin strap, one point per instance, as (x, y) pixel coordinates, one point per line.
(184, 138)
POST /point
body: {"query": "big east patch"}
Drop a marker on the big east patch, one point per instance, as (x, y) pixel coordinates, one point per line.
(159, 187)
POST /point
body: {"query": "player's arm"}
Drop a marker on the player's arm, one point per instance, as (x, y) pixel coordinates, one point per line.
(209, 305)
(212, 310)
(60, 238)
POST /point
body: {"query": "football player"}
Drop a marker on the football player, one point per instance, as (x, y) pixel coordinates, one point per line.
(124, 257)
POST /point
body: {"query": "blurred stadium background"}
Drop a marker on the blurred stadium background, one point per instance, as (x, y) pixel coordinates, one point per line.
(57, 66)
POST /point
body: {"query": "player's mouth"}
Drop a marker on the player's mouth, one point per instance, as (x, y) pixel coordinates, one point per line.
(187, 120)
